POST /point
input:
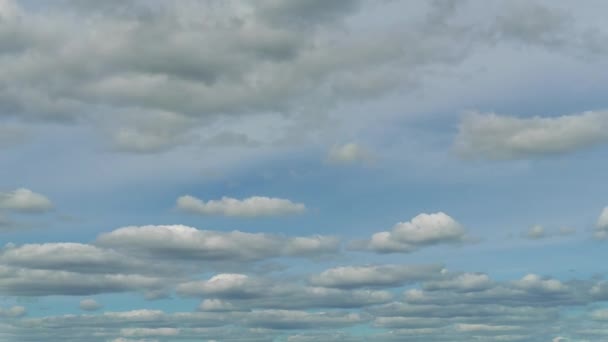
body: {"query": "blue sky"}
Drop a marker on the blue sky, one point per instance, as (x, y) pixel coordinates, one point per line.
(303, 171)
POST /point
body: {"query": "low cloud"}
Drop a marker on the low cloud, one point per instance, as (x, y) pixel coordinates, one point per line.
(255, 206)
(24, 200)
(183, 242)
(494, 136)
(374, 276)
(89, 304)
(423, 230)
(601, 228)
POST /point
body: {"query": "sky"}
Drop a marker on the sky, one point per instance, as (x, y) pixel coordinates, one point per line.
(303, 170)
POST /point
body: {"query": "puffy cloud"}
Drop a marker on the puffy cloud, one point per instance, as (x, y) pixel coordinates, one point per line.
(33, 282)
(466, 282)
(422, 230)
(80, 60)
(24, 200)
(601, 229)
(374, 276)
(242, 291)
(89, 304)
(533, 282)
(249, 207)
(183, 242)
(493, 136)
(73, 257)
(348, 154)
(284, 319)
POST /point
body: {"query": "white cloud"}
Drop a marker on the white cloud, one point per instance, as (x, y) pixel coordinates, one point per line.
(493, 136)
(422, 230)
(533, 282)
(24, 200)
(149, 332)
(374, 276)
(484, 327)
(89, 304)
(249, 207)
(466, 282)
(183, 242)
(245, 292)
(601, 229)
(349, 153)
(536, 232)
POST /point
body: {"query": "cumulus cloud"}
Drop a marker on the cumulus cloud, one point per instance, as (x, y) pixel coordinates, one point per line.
(24, 200)
(349, 153)
(423, 230)
(493, 136)
(601, 228)
(89, 304)
(242, 291)
(466, 282)
(249, 207)
(76, 61)
(183, 242)
(374, 276)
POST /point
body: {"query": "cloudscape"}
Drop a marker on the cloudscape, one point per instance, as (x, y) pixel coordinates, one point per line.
(303, 170)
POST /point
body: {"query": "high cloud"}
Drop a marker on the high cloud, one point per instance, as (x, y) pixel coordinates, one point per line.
(493, 136)
(249, 207)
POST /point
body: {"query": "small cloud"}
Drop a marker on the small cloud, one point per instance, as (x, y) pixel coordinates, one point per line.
(249, 207)
(536, 232)
(24, 200)
(13, 312)
(350, 153)
(89, 304)
(423, 230)
(601, 228)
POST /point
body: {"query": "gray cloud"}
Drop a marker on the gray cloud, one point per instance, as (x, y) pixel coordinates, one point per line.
(492, 136)
(218, 62)
(182, 242)
(349, 153)
(89, 304)
(24, 200)
(248, 207)
(601, 228)
(374, 276)
(242, 291)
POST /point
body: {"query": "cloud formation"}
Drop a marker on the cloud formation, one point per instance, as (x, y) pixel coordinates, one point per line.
(249, 207)
(24, 200)
(493, 136)
(423, 230)
(183, 242)
(601, 228)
